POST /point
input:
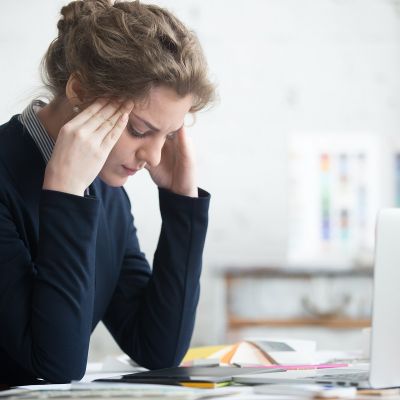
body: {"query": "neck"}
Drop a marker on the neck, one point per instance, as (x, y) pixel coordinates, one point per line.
(54, 115)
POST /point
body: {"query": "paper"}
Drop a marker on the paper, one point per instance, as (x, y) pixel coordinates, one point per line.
(120, 390)
(201, 352)
(307, 390)
(258, 350)
(287, 351)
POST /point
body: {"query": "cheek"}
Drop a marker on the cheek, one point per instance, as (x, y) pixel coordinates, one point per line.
(123, 148)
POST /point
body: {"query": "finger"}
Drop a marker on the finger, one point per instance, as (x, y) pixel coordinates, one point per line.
(184, 143)
(181, 134)
(115, 133)
(180, 138)
(88, 112)
(108, 125)
(112, 137)
(106, 116)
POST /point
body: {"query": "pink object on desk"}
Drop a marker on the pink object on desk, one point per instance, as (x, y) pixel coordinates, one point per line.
(294, 366)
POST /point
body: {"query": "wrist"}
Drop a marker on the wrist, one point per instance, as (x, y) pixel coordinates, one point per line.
(189, 192)
(52, 182)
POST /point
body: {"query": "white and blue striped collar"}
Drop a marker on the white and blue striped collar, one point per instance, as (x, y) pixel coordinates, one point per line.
(29, 119)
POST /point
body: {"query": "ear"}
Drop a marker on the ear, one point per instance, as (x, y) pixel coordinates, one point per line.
(74, 91)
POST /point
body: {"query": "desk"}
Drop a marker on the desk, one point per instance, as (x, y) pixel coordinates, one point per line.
(85, 390)
(236, 393)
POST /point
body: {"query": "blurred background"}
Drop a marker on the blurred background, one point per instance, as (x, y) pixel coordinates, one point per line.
(299, 153)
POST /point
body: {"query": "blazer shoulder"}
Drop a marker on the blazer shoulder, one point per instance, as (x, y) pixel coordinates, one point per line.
(11, 127)
(8, 132)
(21, 163)
(13, 134)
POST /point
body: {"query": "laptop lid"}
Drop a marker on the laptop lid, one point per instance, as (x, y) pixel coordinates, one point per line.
(385, 335)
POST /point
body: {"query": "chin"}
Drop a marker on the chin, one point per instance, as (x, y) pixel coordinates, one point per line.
(113, 180)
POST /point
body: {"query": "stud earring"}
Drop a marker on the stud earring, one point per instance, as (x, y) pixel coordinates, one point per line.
(76, 109)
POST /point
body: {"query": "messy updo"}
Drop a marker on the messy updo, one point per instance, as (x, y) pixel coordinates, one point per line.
(123, 50)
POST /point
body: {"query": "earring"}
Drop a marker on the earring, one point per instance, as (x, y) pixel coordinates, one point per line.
(76, 109)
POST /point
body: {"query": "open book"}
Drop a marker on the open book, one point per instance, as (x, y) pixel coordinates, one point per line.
(256, 351)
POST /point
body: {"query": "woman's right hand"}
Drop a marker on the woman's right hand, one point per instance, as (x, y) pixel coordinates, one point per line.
(83, 145)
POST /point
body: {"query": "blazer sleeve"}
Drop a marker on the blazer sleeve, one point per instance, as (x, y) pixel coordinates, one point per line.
(152, 313)
(46, 302)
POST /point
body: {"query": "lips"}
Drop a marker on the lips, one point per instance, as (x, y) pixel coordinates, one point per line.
(130, 171)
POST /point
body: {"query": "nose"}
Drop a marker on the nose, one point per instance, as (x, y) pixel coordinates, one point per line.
(150, 151)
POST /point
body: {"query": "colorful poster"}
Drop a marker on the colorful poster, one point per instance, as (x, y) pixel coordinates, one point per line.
(334, 195)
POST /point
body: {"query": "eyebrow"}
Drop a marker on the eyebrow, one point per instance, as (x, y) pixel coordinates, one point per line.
(150, 126)
(147, 123)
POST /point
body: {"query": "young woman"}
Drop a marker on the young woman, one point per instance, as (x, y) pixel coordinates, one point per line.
(122, 78)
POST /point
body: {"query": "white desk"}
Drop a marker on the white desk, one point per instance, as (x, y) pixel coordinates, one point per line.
(86, 389)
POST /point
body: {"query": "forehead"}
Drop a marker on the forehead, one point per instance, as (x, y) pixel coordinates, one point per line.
(163, 108)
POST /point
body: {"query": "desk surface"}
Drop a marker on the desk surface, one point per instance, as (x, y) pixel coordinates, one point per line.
(168, 392)
(87, 389)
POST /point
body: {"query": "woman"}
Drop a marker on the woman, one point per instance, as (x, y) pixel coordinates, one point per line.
(123, 76)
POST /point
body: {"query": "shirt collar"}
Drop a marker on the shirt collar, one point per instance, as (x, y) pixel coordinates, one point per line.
(30, 120)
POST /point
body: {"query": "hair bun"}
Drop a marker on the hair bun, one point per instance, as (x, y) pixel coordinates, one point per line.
(75, 10)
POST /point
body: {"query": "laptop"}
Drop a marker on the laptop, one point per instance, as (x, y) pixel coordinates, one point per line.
(384, 367)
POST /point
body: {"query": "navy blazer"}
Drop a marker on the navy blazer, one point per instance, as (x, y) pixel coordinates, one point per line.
(67, 262)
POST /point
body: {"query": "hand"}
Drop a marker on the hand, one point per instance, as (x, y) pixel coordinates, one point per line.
(83, 145)
(176, 171)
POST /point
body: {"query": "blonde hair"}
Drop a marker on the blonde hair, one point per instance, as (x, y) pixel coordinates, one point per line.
(123, 50)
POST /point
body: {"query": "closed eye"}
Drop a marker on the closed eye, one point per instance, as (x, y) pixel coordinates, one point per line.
(134, 132)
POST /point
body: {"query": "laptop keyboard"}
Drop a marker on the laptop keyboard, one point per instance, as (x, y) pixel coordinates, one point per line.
(356, 377)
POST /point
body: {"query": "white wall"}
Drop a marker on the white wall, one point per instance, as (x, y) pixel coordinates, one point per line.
(281, 66)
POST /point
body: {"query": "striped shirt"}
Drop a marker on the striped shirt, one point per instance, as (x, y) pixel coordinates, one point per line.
(42, 139)
(30, 120)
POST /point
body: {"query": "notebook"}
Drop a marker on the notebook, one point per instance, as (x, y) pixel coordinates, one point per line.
(185, 375)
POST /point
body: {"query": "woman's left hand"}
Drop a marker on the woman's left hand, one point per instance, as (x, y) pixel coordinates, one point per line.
(176, 170)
